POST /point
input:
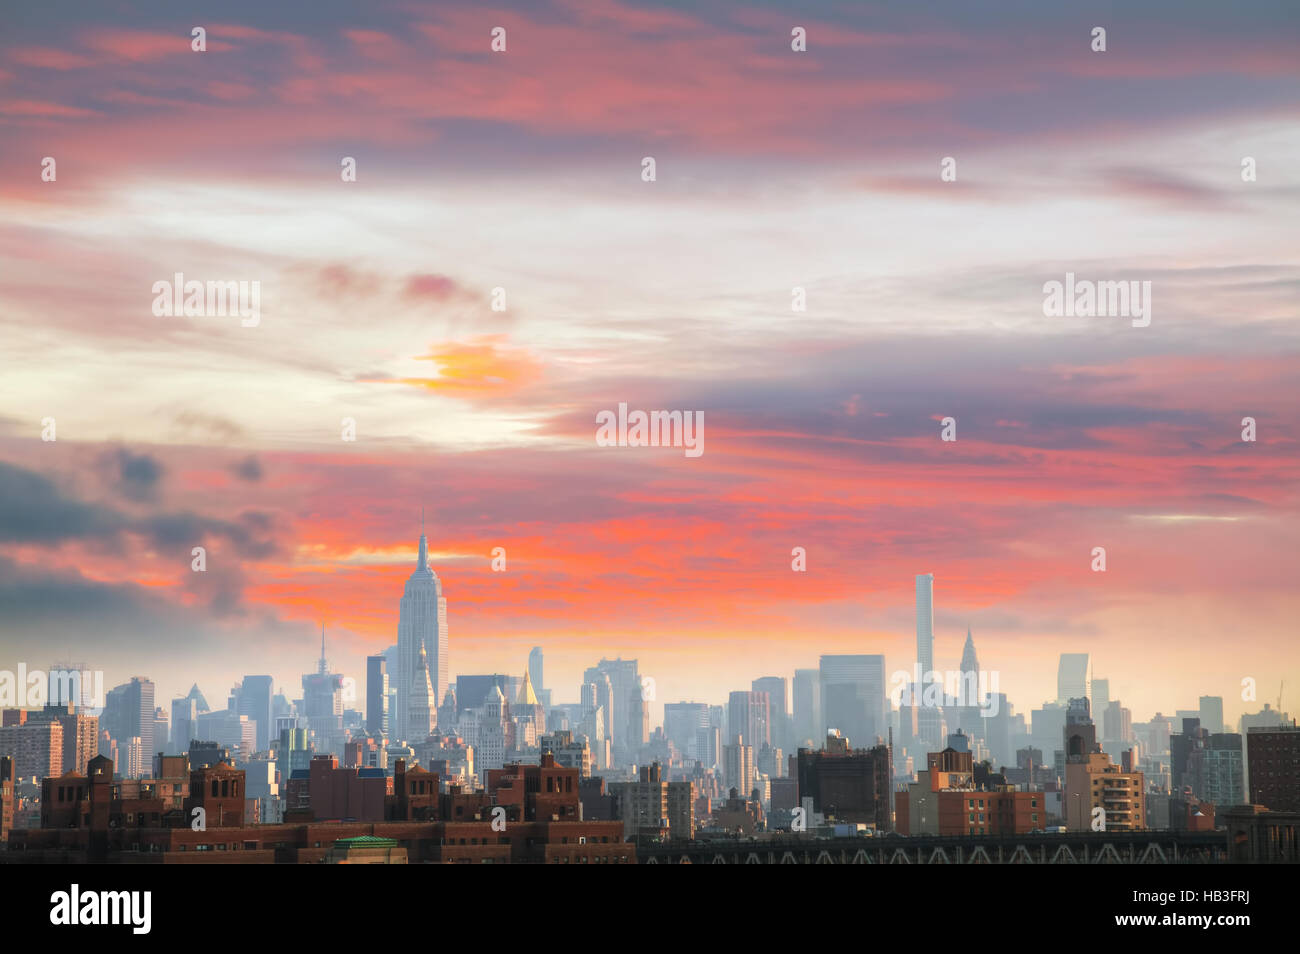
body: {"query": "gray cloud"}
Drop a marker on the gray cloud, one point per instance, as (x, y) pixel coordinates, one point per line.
(34, 510)
(138, 475)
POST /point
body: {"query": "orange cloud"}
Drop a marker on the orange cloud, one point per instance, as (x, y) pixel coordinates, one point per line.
(480, 367)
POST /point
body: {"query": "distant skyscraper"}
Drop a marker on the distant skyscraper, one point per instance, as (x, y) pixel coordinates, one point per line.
(422, 621)
(738, 768)
(967, 716)
(808, 724)
(129, 713)
(377, 694)
(853, 697)
(255, 702)
(778, 694)
(1072, 677)
(925, 623)
(1212, 714)
(969, 662)
(749, 718)
(322, 702)
(160, 732)
(623, 681)
(185, 719)
(682, 724)
(535, 670)
(1099, 699)
(638, 722)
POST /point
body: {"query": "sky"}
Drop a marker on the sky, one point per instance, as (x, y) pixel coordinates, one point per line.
(521, 170)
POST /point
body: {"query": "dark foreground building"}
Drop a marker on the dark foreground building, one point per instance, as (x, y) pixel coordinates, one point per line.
(849, 785)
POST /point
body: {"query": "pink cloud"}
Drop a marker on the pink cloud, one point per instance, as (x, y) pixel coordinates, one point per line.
(436, 287)
(140, 46)
(38, 108)
(44, 57)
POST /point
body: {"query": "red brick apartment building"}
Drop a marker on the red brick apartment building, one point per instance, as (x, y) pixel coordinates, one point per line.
(945, 801)
(83, 821)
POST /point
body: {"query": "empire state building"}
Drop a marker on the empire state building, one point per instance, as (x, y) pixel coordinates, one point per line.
(422, 626)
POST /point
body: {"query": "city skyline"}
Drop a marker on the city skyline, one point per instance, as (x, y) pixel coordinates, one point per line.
(1079, 667)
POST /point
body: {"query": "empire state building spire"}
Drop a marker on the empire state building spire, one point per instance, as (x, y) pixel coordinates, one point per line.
(424, 544)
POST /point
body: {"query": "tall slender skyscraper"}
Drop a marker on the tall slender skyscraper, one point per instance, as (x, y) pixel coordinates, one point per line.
(925, 623)
(422, 623)
(255, 702)
(535, 670)
(749, 716)
(1099, 701)
(377, 694)
(807, 708)
(1072, 677)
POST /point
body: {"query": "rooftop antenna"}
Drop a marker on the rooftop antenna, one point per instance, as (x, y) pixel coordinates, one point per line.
(422, 562)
